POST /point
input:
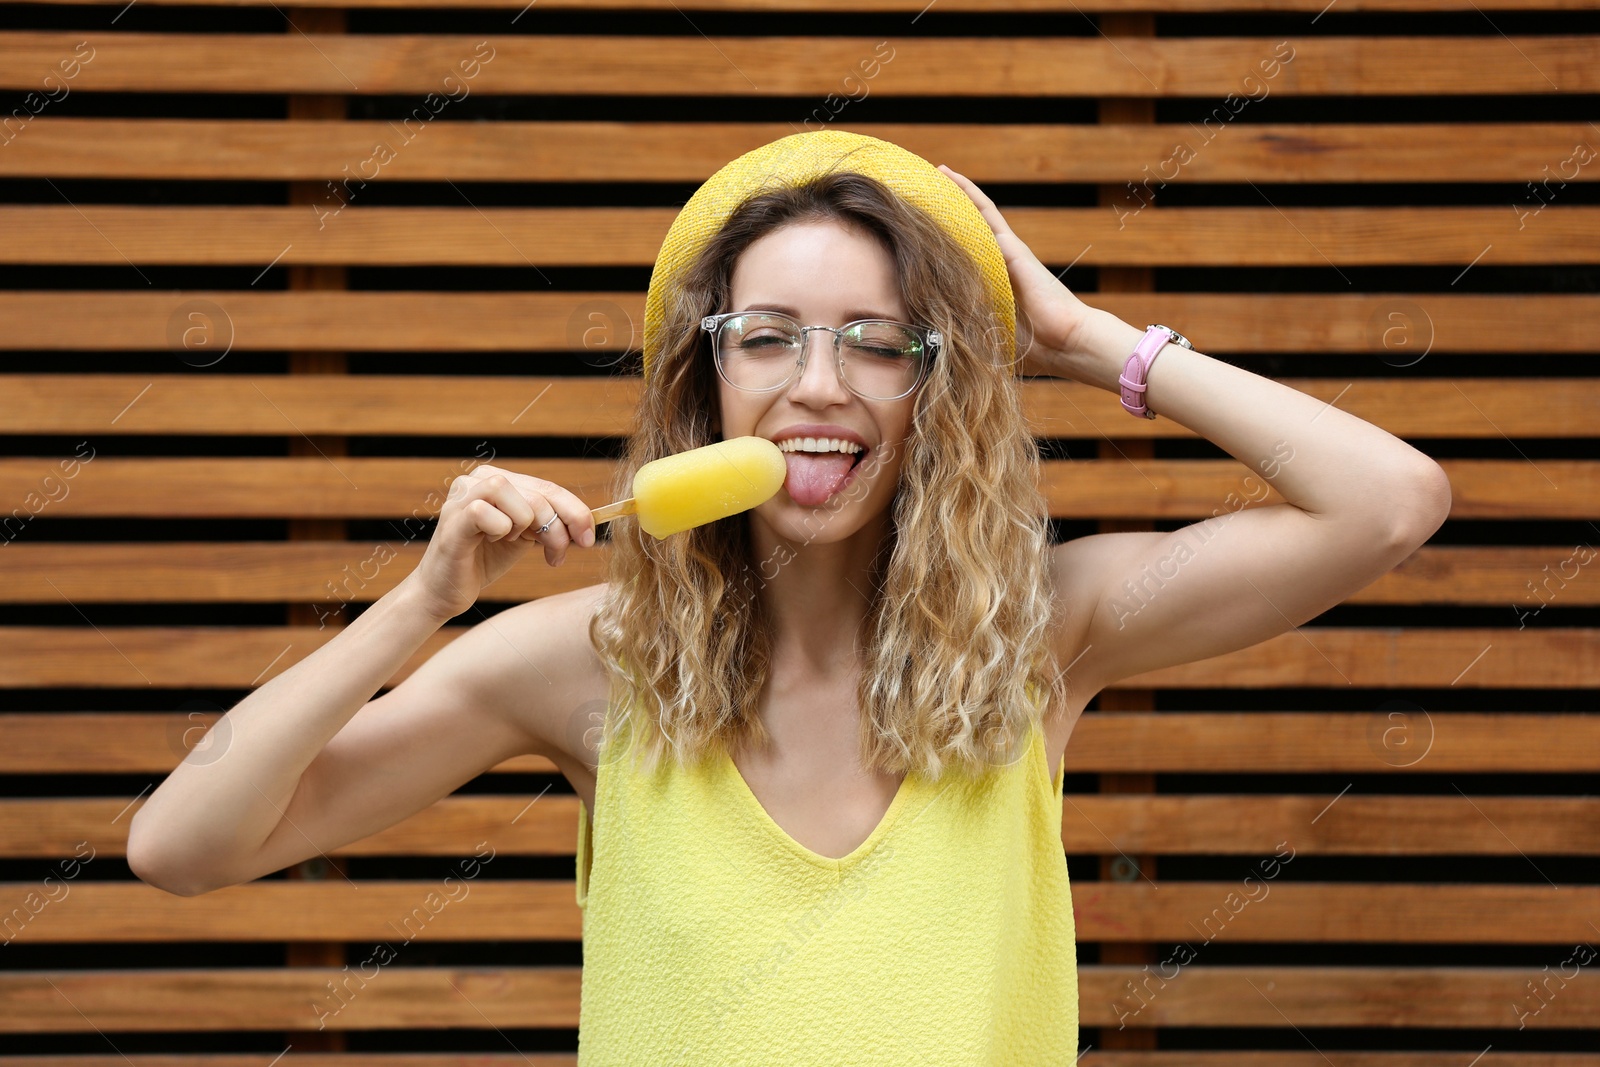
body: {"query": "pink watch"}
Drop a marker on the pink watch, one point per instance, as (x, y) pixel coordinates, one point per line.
(1137, 368)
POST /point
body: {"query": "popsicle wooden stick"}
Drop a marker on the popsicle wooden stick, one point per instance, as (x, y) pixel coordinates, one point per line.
(615, 511)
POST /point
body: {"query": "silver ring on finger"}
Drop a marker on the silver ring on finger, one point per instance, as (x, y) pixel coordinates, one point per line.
(546, 526)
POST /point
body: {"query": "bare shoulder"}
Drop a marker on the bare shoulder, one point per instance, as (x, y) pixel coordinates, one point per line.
(1071, 568)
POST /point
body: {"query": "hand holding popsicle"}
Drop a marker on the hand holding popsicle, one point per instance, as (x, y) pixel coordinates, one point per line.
(491, 514)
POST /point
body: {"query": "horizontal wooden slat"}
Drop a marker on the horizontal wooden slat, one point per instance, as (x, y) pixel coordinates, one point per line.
(503, 909)
(604, 405)
(1397, 738)
(1333, 825)
(182, 657)
(479, 909)
(263, 487)
(354, 405)
(516, 237)
(695, 64)
(270, 150)
(1299, 997)
(1365, 741)
(198, 325)
(1244, 824)
(1280, 910)
(420, 998)
(386, 488)
(474, 998)
(331, 574)
(1523, 579)
(539, 237)
(1464, 658)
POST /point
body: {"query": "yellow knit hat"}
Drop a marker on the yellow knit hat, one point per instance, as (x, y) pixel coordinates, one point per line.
(791, 160)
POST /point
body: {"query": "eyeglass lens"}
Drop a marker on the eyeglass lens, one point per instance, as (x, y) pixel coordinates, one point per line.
(882, 360)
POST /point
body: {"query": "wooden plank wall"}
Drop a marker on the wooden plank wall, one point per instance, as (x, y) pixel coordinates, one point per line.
(271, 276)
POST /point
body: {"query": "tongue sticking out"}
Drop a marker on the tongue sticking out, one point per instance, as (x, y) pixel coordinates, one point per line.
(815, 476)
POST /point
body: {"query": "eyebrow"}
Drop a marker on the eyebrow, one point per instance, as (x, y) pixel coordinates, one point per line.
(850, 316)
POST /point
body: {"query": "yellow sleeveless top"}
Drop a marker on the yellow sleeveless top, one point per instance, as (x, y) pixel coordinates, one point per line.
(710, 936)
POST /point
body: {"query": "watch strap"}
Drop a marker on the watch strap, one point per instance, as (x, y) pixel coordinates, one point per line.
(1135, 373)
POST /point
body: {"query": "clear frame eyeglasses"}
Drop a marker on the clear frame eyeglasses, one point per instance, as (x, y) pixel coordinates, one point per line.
(759, 351)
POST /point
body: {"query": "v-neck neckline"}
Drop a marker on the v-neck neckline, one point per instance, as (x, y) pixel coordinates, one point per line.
(831, 863)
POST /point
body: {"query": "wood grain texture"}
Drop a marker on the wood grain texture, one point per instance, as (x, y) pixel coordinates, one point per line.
(504, 997)
(333, 574)
(110, 289)
(543, 237)
(696, 65)
(390, 488)
(603, 405)
(1232, 824)
(514, 909)
(1392, 738)
(1399, 328)
(590, 151)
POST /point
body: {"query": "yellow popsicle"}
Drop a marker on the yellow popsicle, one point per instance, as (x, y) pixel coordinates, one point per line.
(677, 493)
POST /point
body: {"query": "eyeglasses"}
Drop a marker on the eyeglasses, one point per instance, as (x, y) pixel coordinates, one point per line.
(759, 351)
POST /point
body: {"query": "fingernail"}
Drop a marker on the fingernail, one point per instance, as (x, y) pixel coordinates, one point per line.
(588, 537)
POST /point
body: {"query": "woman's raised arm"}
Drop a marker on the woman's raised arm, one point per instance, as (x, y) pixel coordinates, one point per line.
(309, 762)
(1359, 500)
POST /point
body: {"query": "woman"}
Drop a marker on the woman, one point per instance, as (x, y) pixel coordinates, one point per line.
(825, 777)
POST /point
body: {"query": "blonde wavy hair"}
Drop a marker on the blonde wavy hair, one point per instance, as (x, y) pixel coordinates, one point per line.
(957, 667)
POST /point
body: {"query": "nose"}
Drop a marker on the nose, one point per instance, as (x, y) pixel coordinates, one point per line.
(820, 382)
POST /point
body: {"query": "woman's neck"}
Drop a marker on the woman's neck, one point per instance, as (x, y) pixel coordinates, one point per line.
(816, 595)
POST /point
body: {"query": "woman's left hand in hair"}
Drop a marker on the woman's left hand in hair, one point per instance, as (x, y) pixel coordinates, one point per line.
(1048, 313)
